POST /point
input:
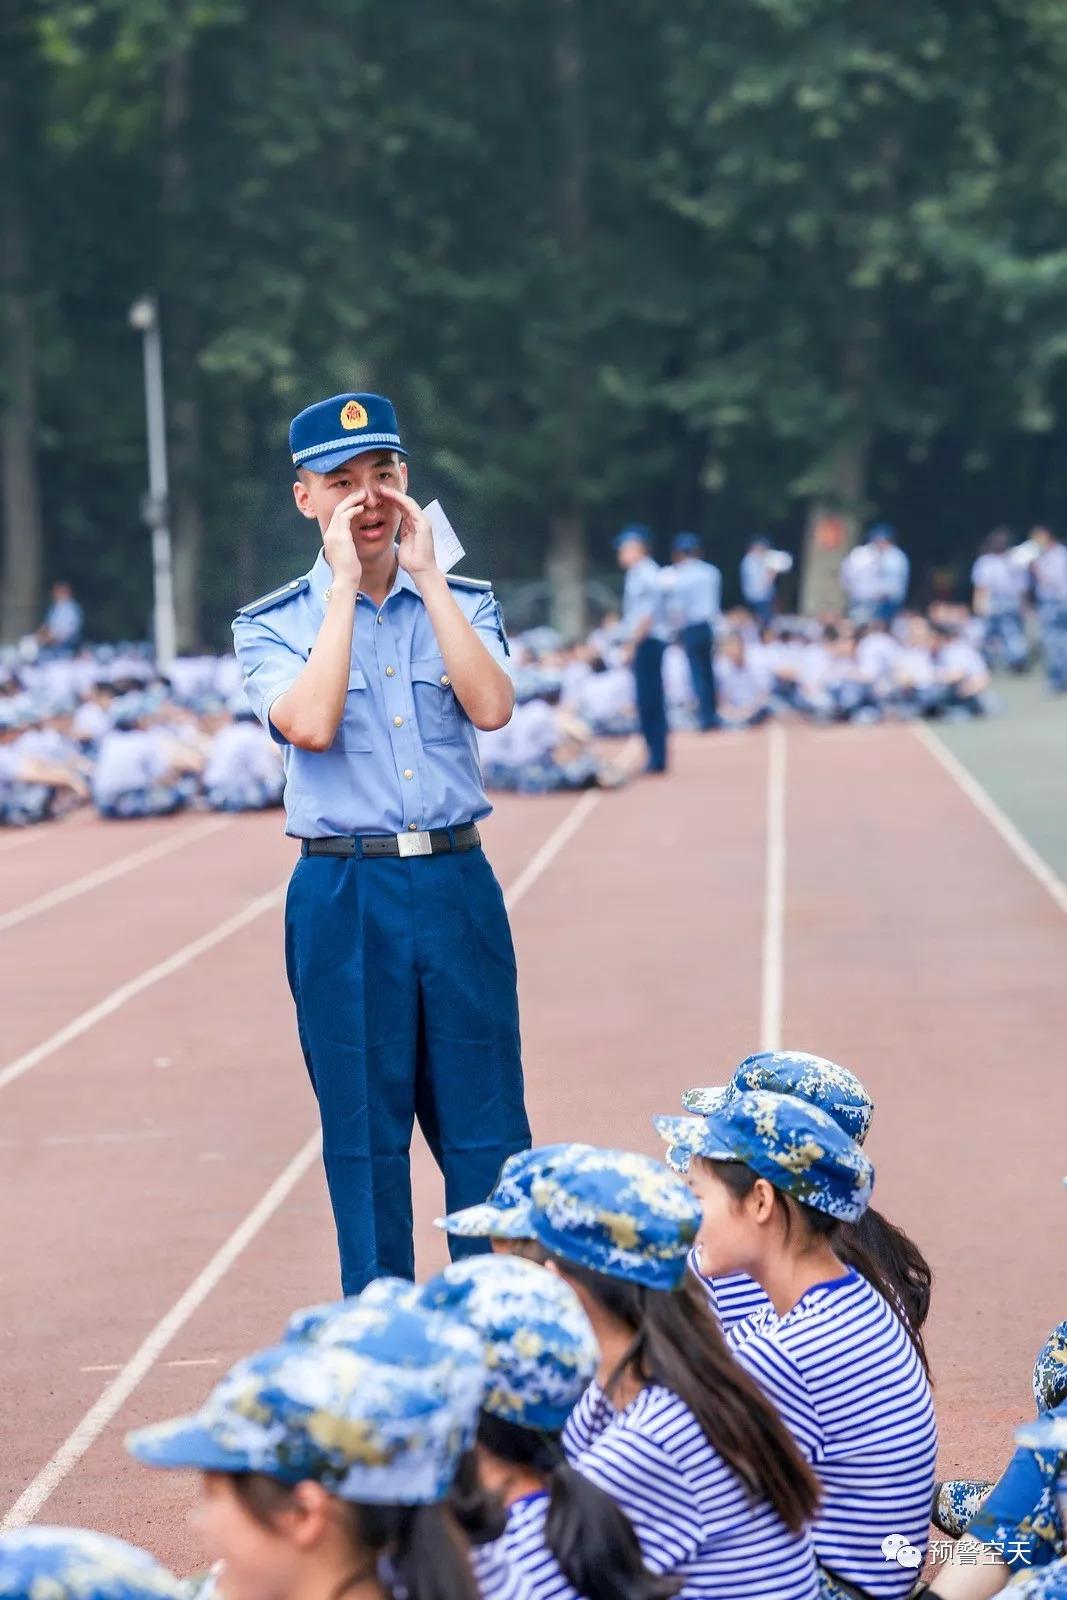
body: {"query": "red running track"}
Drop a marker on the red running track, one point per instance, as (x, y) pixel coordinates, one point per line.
(139, 1134)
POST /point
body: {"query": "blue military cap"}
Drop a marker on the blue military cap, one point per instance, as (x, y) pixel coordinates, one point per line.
(381, 1430)
(633, 533)
(539, 1349)
(686, 544)
(1050, 1370)
(882, 530)
(794, 1145)
(618, 1213)
(505, 1214)
(834, 1089)
(74, 1564)
(326, 435)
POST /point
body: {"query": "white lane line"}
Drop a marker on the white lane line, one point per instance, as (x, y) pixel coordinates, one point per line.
(770, 1027)
(116, 869)
(141, 1362)
(114, 1397)
(557, 839)
(983, 801)
(129, 991)
(195, 1361)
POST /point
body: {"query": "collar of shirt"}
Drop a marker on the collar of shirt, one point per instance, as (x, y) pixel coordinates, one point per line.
(321, 576)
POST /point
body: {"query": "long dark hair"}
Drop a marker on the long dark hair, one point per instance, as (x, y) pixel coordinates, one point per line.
(878, 1250)
(678, 1343)
(587, 1532)
(424, 1547)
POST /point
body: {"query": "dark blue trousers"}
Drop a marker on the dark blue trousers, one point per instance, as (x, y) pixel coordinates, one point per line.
(403, 973)
(697, 642)
(651, 701)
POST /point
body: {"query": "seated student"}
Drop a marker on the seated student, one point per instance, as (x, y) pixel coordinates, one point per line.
(671, 1427)
(546, 749)
(870, 1242)
(243, 771)
(957, 1501)
(327, 1469)
(504, 1217)
(961, 673)
(139, 772)
(565, 1538)
(1020, 1526)
(743, 688)
(776, 1177)
(32, 787)
(1000, 587)
(74, 1564)
(916, 690)
(876, 660)
(605, 700)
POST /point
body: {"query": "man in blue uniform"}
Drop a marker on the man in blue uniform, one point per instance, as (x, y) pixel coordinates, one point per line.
(695, 599)
(644, 620)
(373, 672)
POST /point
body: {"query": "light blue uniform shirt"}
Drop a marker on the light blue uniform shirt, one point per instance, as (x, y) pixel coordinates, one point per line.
(757, 578)
(644, 597)
(63, 620)
(405, 756)
(695, 593)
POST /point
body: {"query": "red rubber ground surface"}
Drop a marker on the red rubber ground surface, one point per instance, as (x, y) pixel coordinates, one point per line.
(917, 950)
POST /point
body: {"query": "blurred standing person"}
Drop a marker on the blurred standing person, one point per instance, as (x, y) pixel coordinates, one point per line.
(761, 567)
(61, 631)
(875, 577)
(1049, 568)
(1000, 584)
(644, 616)
(695, 607)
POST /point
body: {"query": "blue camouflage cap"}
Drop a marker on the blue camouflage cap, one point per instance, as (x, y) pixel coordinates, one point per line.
(1050, 1370)
(505, 1214)
(834, 1089)
(381, 1431)
(633, 533)
(1049, 1432)
(686, 544)
(74, 1564)
(539, 1349)
(326, 435)
(794, 1145)
(618, 1213)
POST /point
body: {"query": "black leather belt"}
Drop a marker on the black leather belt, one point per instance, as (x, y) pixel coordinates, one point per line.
(435, 842)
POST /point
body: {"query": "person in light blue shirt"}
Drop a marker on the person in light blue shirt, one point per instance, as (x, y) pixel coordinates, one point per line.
(647, 627)
(373, 672)
(761, 567)
(695, 600)
(61, 631)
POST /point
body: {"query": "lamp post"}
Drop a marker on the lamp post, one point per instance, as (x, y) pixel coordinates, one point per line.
(144, 319)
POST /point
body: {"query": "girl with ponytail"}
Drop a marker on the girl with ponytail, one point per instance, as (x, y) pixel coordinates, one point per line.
(566, 1539)
(671, 1428)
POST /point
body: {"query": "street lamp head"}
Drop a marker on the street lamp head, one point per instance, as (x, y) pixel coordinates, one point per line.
(144, 313)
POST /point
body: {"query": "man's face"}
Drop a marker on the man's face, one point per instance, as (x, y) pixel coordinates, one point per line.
(318, 494)
(630, 553)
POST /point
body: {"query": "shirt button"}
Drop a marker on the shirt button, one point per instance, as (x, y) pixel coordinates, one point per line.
(445, 679)
(408, 772)
(398, 722)
(413, 827)
(378, 619)
(390, 672)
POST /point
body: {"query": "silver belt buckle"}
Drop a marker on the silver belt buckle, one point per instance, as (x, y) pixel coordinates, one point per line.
(414, 844)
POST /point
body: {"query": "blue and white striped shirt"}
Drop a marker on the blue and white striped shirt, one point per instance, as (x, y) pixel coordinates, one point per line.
(494, 1574)
(851, 1389)
(528, 1555)
(733, 1296)
(692, 1515)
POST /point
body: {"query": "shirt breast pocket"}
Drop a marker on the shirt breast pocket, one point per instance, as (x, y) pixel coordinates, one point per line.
(435, 702)
(355, 730)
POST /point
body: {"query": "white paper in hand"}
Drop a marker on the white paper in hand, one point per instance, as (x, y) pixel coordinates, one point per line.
(446, 547)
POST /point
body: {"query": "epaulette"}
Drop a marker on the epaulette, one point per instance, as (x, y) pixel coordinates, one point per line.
(468, 583)
(277, 597)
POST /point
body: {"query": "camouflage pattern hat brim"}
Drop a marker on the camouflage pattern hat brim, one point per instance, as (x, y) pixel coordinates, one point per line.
(1050, 1370)
(489, 1222)
(184, 1444)
(683, 1137)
